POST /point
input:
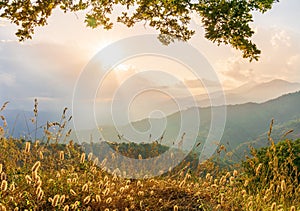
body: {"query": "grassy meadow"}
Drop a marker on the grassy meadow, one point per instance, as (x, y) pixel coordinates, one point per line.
(56, 174)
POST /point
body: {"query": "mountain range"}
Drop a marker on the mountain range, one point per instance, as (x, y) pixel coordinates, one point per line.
(244, 124)
(249, 92)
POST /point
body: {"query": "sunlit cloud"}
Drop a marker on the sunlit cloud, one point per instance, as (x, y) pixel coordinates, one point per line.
(7, 79)
(279, 38)
(279, 59)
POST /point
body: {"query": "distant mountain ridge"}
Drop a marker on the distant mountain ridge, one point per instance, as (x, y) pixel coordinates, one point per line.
(245, 123)
(249, 92)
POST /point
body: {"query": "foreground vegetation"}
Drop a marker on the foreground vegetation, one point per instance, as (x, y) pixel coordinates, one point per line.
(50, 175)
(36, 176)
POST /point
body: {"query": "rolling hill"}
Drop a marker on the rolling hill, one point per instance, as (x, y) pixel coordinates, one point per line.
(245, 124)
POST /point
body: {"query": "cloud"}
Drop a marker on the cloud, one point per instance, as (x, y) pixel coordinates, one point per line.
(279, 59)
(234, 69)
(41, 70)
(7, 79)
(279, 38)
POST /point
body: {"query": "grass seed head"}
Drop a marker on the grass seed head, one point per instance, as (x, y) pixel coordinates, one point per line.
(28, 179)
(82, 158)
(36, 166)
(283, 186)
(90, 156)
(62, 199)
(108, 200)
(3, 185)
(273, 206)
(2, 132)
(2, 207)
(85, 187)
(98, 198)
(73, 192)
(55, 200)
(27, 147)
(41, 155)
(235, 173)
(61, 155)
(66, 208)
(40, 195)
(257, 171)
(87, 200)
(3, 176)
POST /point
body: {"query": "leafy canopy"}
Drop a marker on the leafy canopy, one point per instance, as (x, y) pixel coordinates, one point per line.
(224, 21)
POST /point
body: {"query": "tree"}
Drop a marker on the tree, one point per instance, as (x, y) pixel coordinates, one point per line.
(224, 21)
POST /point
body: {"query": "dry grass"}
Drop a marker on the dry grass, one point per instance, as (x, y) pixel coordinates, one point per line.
(53, 176)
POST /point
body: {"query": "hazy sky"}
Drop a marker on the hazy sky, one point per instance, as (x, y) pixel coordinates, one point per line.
(48, 66)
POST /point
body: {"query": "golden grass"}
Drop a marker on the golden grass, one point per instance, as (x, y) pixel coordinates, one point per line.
(65, 180)
(53, 176)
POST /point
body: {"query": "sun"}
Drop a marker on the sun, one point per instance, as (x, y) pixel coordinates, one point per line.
(122, 68)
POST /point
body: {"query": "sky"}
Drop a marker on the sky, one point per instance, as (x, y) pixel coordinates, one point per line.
(48, 66)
